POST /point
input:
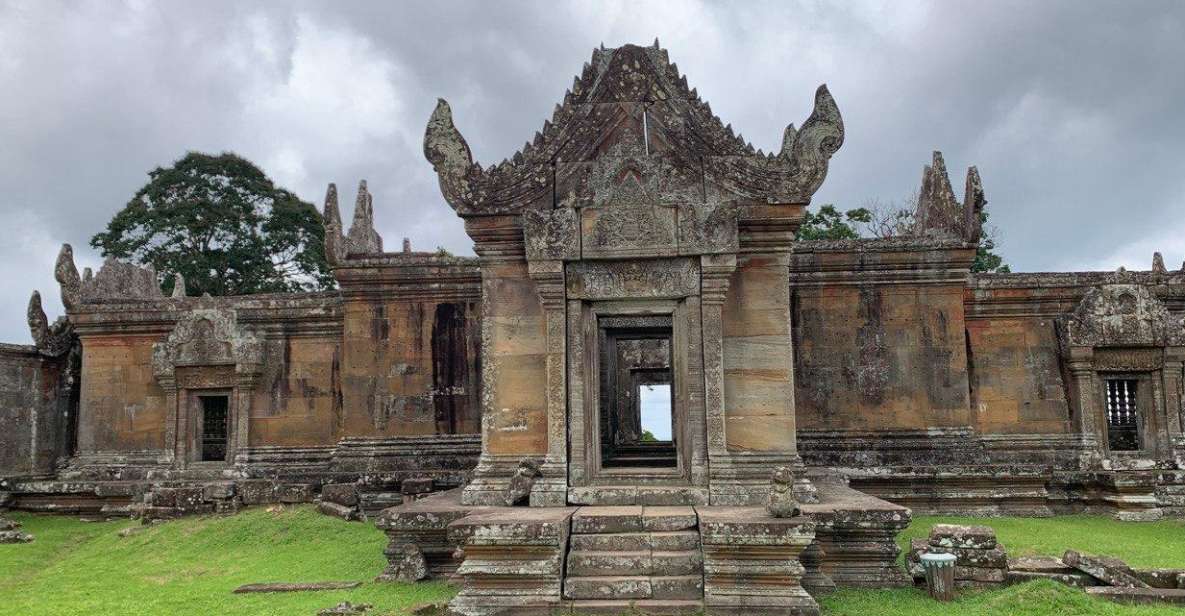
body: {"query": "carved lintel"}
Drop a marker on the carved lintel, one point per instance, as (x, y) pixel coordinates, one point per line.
(650, 279)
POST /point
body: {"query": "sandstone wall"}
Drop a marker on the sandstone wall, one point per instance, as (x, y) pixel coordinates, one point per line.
(32, 424)
(122, 408)
(411, 367)
(880, 356)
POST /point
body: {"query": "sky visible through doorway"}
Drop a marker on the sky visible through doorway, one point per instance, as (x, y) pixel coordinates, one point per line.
(655, 404)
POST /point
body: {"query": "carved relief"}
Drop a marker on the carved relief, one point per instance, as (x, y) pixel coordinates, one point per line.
(658, 279)
(551, 234)
(628, 231)
(624, 92)
(1121, 315)
(208, 337)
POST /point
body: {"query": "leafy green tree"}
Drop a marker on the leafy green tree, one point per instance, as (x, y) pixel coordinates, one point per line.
(829, 224)
(220, 222)
(985, 259)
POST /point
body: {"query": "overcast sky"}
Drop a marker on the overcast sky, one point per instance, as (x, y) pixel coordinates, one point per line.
(1071, 110)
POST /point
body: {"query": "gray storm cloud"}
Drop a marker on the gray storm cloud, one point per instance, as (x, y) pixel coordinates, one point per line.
(1071, 110)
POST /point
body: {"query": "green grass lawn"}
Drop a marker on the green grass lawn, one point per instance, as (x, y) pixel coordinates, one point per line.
(191, 565)
(1142, 545)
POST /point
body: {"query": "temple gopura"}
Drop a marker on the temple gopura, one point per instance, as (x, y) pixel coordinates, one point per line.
(636, 256)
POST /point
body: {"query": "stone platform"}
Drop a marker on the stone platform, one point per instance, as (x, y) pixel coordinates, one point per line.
(652, 559)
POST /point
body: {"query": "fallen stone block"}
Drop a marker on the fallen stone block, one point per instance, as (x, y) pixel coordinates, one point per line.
(15, 536)
(340, 493)
(1108, 570)
(1160, 578)
(960, 536)
(1076, 579)
(294, 587)
(348, 514)
(1138, 596)
(345, 608)
(7, 524)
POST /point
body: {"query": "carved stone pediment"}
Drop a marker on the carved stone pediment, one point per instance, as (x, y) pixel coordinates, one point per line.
(636, 90)
(1121, 315)
(208, 337)
(624, 231)
(650, 279)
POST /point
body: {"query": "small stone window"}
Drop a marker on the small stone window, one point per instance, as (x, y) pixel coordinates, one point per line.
(215, 422)
(1123, 415)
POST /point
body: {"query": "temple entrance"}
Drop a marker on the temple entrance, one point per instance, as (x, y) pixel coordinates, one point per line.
(215, 427)
(638, 413)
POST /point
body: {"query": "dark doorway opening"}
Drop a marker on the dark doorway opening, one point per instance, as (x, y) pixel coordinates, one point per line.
(215, 423)
(638, 412)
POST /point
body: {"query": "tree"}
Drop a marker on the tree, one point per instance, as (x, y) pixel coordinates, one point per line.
(829, 224)
(985, 259)
(222, 224)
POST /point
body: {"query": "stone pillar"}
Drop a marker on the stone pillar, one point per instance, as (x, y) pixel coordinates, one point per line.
(1174, 403)
(747, 313)
(1084, 401)
(551, 490)
(514, 359)
(173, 427)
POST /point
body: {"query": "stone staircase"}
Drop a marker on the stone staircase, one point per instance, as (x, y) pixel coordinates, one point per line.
(634, 557)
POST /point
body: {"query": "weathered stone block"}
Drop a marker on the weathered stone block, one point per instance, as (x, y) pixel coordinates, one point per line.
(1138, 596)
(189, 499)
(601, 564)
(607, 588)
(959, 536)
(416, 485)
(218, 491)
(257, 491)
(340, 493)
(588, 520)
(294, 493)
(339, 511)
(687, 587)
(662, 519)
(1109, 570)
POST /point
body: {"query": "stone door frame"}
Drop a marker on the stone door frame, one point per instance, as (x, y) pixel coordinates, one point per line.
(584, 464)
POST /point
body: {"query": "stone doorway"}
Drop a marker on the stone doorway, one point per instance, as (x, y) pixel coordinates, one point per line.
(214, 427)
(638, 412)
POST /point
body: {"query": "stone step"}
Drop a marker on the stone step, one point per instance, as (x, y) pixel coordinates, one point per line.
(636, 542)
(607, 587)
(637, 495)
(685, 587)
(677, 586)
(656, 607)
(632, 519)
(605, 564)
(639, 563)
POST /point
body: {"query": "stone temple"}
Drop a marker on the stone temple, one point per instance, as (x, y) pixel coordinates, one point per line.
(635, 259)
